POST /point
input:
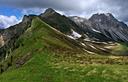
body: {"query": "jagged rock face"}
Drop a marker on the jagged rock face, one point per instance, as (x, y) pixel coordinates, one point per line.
(49, 12)
(110, 27)
(88, 30)
(100, 27)
(16, 30)
(1, 40)
(59, 22)
(9, 36)
(103, 27)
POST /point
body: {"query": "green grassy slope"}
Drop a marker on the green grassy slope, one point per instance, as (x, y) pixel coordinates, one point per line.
(46, 55)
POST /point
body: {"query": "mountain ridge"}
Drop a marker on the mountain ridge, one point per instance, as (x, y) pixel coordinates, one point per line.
(106, 25)
(51, 47)
(67, 25)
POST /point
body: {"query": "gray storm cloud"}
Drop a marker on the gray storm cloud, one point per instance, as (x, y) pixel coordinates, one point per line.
(75, 7)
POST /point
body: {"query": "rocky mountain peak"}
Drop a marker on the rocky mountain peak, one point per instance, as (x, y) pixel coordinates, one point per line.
(108, 14)
(102, 17)
(110, 26)
(49, 11)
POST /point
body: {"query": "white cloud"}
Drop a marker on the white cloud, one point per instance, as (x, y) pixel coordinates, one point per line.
(6, 21)
(84, 8)
(37, 11)
(32, 11)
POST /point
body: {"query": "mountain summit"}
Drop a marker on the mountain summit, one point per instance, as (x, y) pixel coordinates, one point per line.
(108, 25)
(103, 15)
(58, 21)
(48, 12)
(104, 27)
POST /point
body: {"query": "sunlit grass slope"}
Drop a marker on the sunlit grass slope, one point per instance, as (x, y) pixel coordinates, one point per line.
(46, 55)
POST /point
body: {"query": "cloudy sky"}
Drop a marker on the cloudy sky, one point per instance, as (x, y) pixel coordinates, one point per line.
(12, 11)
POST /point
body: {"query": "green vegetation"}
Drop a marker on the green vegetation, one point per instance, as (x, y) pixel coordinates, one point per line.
(120, 49)
(43, 68)
(46, 55)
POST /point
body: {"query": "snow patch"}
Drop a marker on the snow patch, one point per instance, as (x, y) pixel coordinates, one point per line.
(87, 39)
(83, 44)
(96, 30)
(92, 47)
(74, 35)
(71, 37)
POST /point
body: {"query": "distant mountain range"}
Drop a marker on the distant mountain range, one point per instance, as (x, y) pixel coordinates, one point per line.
(51, 47)
(103, 27)
(98, 34)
